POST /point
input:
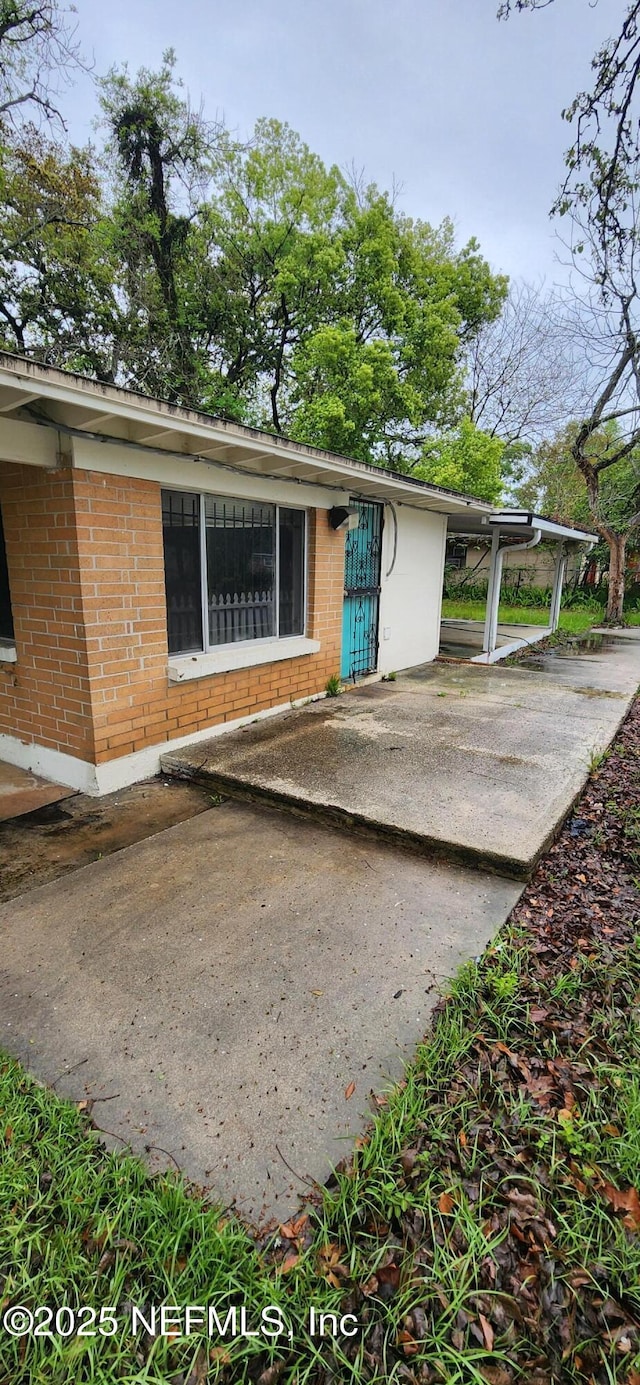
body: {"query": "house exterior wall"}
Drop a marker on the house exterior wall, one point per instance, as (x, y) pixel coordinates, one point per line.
(46, 694)
(411, 596)
(86, 570)
(134, 705)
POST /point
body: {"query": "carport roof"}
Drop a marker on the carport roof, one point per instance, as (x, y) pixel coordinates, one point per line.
(520, 524)
(81, 407)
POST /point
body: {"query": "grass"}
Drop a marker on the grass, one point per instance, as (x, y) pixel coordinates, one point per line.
(415, 1235)
(574, 621)
(80, 1226)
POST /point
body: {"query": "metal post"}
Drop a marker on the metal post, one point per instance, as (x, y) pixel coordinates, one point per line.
(493, 595)
(558, 581)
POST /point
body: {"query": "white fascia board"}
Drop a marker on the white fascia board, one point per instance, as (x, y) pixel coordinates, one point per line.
(190, 427)
(209, 477)
(29, 444)
(524, 519)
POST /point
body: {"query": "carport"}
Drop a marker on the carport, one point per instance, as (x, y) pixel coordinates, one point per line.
(510, 530)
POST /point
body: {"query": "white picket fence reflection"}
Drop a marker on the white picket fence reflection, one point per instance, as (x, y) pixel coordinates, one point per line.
(243, 616)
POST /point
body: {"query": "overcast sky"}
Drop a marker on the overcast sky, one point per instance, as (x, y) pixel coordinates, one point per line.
(462, 111)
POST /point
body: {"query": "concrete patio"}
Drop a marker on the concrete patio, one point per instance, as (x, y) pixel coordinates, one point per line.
(466, 762)
(217, 988)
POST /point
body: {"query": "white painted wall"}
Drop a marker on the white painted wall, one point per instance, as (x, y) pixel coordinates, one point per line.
(411, 596)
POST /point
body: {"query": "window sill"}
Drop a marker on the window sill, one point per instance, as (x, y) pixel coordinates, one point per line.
(249, 655)
(8, 652)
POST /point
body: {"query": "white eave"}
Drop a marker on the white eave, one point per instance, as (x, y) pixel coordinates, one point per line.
(518, 524)
(522, 523)
(50, 399)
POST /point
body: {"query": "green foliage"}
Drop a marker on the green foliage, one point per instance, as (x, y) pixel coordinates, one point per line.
(247, 279)
(465, 459)
(56, 271)
(157, 151)
(555, 486)
(333, 685)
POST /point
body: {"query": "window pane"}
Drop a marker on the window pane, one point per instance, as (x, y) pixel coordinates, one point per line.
(291, 572)
(6, 614)
(241, 570)
(181, 533)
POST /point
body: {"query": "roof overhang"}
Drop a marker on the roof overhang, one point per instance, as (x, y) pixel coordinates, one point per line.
(518, 524)
(78, 407)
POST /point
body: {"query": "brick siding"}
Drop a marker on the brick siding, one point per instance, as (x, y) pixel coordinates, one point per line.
(46, 696)
(86, 569)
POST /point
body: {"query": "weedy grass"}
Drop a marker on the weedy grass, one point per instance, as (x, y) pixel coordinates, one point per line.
(486, 1228)
(333, 685)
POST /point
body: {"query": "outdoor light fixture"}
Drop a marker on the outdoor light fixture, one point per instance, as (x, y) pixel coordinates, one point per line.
(344, 517)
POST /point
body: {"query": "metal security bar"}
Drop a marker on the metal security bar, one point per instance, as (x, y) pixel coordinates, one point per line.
(362, 592)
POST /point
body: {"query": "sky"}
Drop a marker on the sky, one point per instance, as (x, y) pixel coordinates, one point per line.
(462, 113)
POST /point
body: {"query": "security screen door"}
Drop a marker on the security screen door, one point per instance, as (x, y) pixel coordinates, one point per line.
(362, 592)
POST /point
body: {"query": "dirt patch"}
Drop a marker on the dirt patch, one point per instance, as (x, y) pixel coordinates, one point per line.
(60, 837)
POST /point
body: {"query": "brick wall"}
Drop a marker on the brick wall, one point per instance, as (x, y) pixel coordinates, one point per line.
(46, 696)
(115, 577)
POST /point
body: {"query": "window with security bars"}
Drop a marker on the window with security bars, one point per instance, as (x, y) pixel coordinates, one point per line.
(234, 571)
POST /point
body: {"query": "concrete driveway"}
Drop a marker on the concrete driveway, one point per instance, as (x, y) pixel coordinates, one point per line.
(217, 988)
(477, 764)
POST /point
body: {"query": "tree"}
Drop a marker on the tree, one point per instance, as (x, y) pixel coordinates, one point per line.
(601, 182)
(465, 459)
(263, 283)
(56, 277)
(38, 54)
(615, 408)
(346, 321)
(158, 148)
(599, 194)
(249, 279)
(520, 378)
(559, 488)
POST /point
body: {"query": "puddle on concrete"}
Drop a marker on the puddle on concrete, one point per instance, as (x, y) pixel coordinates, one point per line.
(542, 661)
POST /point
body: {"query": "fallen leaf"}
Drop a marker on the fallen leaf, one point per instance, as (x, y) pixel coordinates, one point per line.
(388, 1277)
(348, 1091)
(408, 1343)
(626, 1201)
(330, 1264)
(292, 1229)
(408, 1159)
(289, 1262)
(487, 1332)
(446, 1204)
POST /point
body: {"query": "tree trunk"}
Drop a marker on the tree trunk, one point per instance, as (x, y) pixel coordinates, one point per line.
(615, 600)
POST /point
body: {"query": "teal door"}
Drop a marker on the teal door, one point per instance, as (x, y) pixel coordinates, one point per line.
(362, 592)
